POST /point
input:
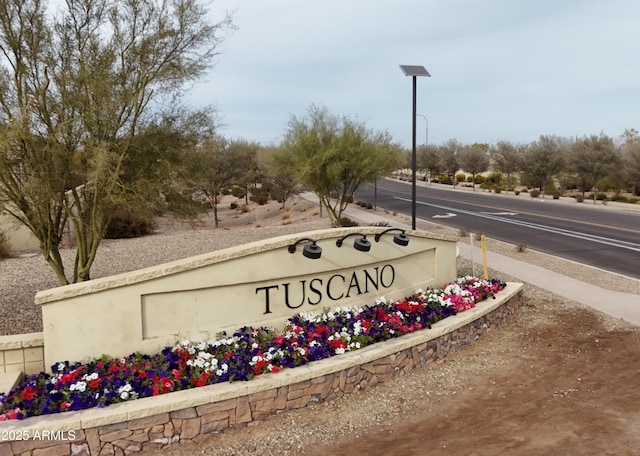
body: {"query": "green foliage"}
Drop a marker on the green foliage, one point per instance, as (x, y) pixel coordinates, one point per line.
(238, 192)
(542, 160)
(333, 156)
(126, 223)
(260, 195)
(346, 222)
(474, 160)
(591, 158)
(461, 177)
(77, 89)
(599, 196)
(278, 174)
(213, 167)
(534, 193)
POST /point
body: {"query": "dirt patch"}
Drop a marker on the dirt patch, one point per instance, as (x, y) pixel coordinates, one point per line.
(568, 386)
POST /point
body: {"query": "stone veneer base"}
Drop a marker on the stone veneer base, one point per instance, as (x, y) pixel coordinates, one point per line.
(129, 427)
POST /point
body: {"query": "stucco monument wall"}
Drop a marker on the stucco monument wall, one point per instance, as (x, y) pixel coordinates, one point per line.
(256, 284)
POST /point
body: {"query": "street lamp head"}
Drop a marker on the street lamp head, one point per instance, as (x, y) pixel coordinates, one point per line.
(414, 70)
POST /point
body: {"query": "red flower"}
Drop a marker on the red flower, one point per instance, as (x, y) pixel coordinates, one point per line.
(28, 394)
(338, 343)
(94, 384)
(167, 385)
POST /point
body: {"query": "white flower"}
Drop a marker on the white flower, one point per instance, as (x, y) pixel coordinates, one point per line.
(79, 386)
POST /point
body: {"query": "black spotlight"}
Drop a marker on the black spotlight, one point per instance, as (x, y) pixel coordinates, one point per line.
(362, 244)
(313, 250)
(400, 238)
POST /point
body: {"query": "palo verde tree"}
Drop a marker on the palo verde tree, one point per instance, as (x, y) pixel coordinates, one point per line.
(279, 175)
(212, 168)
(333, 156)
(75, 88)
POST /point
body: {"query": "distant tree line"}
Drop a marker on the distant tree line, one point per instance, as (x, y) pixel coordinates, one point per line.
(552, 164)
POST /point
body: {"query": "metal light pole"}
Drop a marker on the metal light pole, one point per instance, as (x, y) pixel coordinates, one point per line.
(414, 71)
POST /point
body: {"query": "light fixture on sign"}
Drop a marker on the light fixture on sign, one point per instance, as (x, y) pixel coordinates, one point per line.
(400, 238)
(313, 250)
(362, 244)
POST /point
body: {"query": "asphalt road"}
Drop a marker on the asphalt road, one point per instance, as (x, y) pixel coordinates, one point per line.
(606, 237)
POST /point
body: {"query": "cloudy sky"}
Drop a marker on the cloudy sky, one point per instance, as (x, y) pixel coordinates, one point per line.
(501, 69)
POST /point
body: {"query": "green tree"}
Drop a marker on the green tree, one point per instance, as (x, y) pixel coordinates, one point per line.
(474, 159)
(212, 168)
(449, 159)
(245, 159)
(429, 160)
(631, 159)
(333, 156)
(506, 159)
(75, 89)
(591, 158)
(278, 171)
(542, 160)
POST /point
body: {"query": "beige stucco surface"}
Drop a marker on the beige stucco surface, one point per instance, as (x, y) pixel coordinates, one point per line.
(198, 297)
(19, 237)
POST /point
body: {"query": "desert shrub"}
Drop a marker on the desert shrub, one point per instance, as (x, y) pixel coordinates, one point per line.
(534, 193)
(633, 200)
(260, 195)
(517, 192)
(599, 196)
(238, 192)
(620, 199)
(346, 221)
(369, 205)
(579, 198)
(556, 195)
(461, 177)
(233, 205)
(127, 223)
(480, 179)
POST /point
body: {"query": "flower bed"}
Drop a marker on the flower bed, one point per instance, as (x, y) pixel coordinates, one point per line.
(248, 352)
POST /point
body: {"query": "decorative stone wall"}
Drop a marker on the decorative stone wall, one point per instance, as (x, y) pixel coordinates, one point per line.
(22, 353)
(320, 382)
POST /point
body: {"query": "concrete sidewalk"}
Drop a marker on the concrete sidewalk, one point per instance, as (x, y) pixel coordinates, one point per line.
(620, 305)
